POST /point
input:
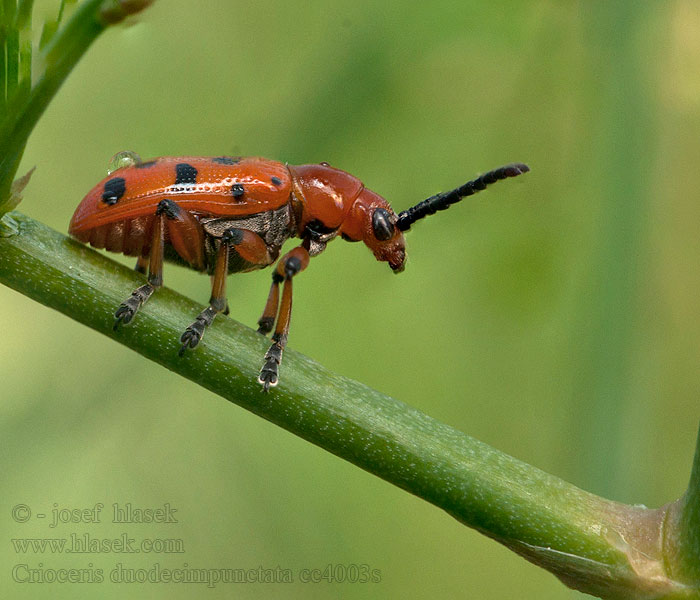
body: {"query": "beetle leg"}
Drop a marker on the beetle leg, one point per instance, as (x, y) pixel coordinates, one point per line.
(141, 264)
(217, 303)
(291, 263)
(131, 305)
(251, 248)
(185, 233)
(267, 321)
(187, 238)
(226, 310)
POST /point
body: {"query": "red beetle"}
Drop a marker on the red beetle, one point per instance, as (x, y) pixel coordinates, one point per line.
(229, 214)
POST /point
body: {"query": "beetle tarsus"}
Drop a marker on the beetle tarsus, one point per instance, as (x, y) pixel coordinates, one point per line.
(269, 374)
(190, 338)
(193, 334)
(127, 309)
(123, 316)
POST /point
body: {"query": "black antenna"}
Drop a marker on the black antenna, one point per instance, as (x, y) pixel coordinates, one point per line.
(446, 199)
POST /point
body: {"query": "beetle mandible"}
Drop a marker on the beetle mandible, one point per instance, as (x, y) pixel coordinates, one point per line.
(228, 214)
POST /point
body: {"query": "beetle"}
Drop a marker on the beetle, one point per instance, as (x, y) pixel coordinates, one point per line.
(225, 214)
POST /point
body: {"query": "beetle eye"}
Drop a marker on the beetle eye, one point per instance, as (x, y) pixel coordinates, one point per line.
(381, 224)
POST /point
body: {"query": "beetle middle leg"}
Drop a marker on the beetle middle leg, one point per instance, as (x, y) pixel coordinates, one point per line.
(252, 248)
(289, 265)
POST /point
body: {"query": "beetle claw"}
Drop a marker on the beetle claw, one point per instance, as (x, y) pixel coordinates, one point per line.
(123, 316)
(126, 312)
(190, 338)
(269, 374)
(192, 335)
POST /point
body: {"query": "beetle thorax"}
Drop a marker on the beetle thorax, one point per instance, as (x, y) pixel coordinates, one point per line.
(274, 227)
(324, 195)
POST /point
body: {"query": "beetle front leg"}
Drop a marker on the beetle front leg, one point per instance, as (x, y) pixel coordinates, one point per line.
(292, 263)
(267, 321)
(251, 248)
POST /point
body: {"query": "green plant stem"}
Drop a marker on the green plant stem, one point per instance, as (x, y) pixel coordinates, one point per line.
(690, 523)
(616, 150)
(3, 70)
(682, 529)
(12, 50)
(9, 9)
(24, 27)
(61, 54)
(70, 44)
(592, 544)
(24, 13)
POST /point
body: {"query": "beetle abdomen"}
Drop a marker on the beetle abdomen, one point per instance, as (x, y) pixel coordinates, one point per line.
(128, 236)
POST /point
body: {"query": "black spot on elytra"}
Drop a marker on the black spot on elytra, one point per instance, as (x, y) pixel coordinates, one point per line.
(185, 173)
(114, 189)
(226, 160)
(276, 180)
(237, 190)
(145, 165)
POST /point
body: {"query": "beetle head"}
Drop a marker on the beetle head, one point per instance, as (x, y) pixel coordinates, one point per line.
(372, 220)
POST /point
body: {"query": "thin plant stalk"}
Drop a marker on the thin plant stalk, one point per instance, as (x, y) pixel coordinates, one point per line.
(598, 546)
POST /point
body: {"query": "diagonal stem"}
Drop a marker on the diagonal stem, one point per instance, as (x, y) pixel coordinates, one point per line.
(595, 545)
(682, 529)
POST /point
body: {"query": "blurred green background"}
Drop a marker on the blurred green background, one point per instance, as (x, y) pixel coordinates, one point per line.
(553, 317)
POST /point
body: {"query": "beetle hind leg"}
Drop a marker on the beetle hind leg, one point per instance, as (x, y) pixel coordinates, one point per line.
(127, 309)
(141, 265)
(187, 238)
